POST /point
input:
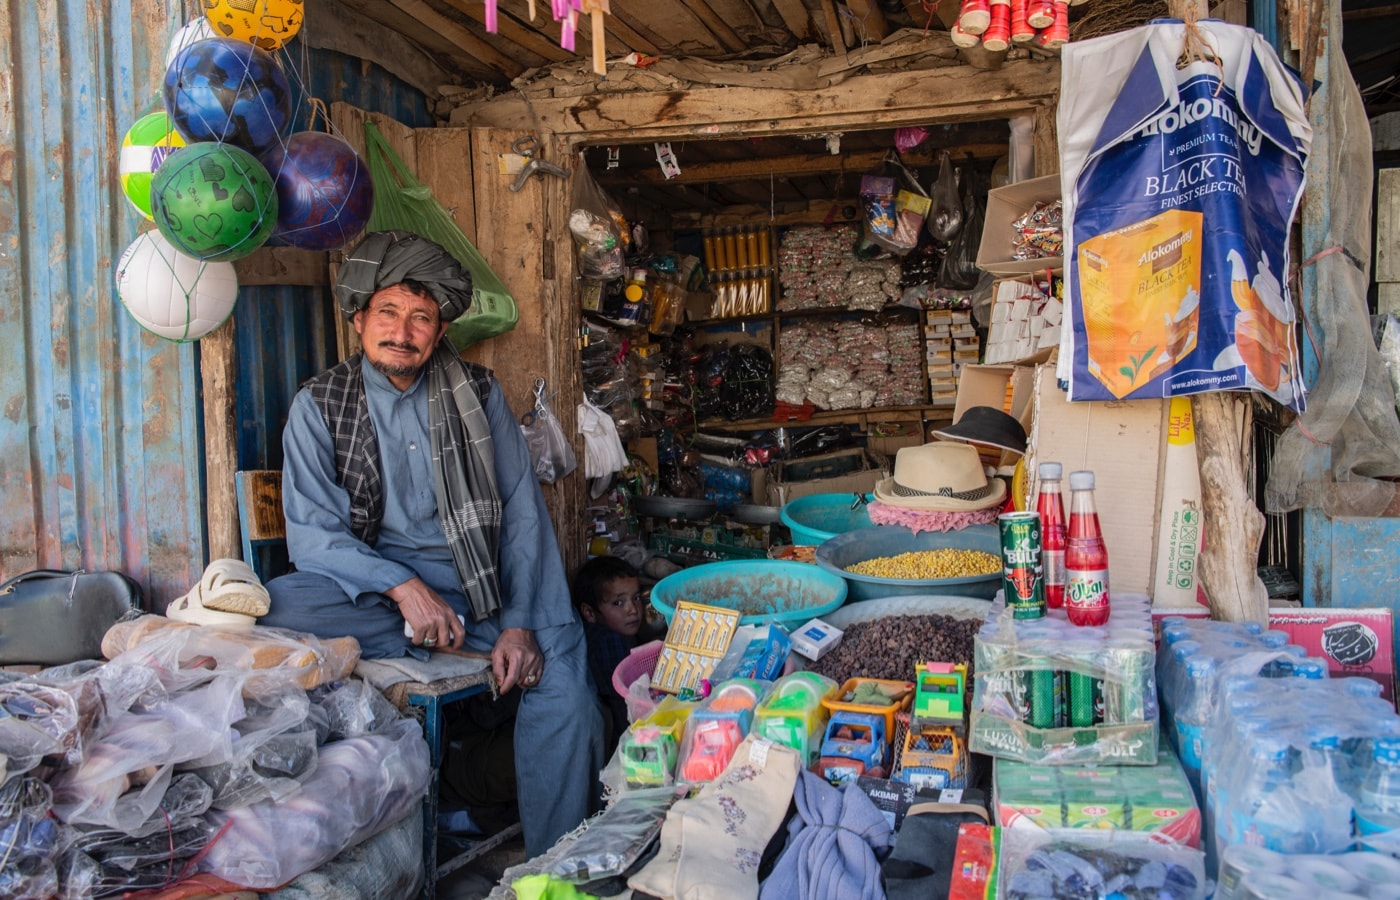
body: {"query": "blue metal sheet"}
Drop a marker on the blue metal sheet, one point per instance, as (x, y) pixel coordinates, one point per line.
(101, 451)
(100, 422)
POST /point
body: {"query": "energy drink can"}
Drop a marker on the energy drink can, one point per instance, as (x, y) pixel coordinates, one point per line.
(1023, 581)
(1085, 699)
(1044, 696)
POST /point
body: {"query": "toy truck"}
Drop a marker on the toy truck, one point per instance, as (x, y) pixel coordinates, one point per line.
(939, 693)
(933, 758)
(793, 715)
(715, 730)
(855, 744)
(651, 745)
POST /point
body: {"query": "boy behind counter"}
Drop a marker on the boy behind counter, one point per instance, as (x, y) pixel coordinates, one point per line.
(608, 593)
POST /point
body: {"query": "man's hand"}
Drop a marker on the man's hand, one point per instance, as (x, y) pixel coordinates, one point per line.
(434, 622)
(516, 659)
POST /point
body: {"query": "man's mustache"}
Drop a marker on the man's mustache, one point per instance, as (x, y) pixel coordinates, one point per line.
(397, 345)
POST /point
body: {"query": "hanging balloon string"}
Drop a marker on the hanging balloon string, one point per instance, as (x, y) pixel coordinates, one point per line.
(318, 108)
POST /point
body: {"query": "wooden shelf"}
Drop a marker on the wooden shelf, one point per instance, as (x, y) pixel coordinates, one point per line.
(862, 417)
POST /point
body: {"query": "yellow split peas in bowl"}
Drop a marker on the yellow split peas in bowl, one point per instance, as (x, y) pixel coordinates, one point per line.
(922, 565)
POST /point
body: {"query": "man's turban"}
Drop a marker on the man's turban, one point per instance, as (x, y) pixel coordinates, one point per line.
(386, 258)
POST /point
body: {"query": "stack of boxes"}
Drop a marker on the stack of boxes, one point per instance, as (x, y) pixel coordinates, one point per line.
(950, 342)
(1070, 714)
(1025, 320)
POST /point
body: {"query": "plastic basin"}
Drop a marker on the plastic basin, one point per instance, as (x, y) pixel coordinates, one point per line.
(817, 518)
(853, 547)
(761, 590)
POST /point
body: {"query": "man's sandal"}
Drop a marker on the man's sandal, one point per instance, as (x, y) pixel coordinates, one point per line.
(228, 594)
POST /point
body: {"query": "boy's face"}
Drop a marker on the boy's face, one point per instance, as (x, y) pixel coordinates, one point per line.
(619, 607)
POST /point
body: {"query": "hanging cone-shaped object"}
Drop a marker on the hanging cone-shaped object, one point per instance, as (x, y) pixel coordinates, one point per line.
(997, 37)
(973, 16)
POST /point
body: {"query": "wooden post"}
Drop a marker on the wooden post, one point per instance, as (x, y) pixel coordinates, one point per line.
(1234, 526)
(218, 366)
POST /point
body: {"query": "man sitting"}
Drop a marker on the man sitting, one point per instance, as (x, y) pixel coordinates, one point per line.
(414, 520)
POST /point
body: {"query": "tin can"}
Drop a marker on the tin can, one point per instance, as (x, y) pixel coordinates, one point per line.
(1085, 699)
(1044, 695)
(1023, 581)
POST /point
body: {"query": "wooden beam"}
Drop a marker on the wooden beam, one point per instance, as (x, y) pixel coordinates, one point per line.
(797, 18)
(460, 37)
(835, 29)
(869, 21)
(283, 265)
(677, 29)
(890, 100)
(925, 18)
(794, 166)
(218, 366)
(506, 26)
(727, 36)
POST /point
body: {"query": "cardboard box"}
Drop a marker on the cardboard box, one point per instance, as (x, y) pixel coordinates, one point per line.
(994, 386)
(888, 438)
(1155, 799)
(1363, 638)
(1025, 322)
(779, 487)
(1004, 206)
(1122, 443)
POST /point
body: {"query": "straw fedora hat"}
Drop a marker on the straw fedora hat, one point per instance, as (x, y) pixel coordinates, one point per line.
(943, 475)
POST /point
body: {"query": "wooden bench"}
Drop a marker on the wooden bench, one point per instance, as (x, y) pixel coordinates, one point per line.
(264, 531)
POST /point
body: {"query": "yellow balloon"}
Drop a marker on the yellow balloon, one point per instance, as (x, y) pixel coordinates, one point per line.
(264, 23)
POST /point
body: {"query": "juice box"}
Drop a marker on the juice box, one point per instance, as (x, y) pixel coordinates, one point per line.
(1140, 287)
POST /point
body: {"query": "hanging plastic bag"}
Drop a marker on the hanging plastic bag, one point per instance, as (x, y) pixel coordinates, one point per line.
(959, 270)
(402, 201)
(598, 227)
(945, 219)
(1183, 149)
(550, 451)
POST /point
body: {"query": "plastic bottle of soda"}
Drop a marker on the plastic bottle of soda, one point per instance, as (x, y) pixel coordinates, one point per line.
(1051, 506)
(1086, 557)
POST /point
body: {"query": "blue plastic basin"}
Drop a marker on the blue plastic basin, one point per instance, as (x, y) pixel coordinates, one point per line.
(890, 540)
(762, 590)
(817, 518)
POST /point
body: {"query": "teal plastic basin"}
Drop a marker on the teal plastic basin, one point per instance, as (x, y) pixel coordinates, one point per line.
(890, 540)
(817, 518)
(762, 590)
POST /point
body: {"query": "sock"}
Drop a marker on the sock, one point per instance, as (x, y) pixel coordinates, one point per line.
(724, 833)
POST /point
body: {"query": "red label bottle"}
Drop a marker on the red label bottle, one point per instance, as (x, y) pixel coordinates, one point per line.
(1086, 557)
(1051, 506)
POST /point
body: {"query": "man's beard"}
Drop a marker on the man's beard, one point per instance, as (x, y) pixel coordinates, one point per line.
(396, 370)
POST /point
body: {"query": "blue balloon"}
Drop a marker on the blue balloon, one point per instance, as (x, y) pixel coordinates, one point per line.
(230, 91)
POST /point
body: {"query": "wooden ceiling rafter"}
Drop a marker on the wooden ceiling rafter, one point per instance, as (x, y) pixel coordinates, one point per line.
(676, 28)
(797, 17)
(460, 37)
(727, 36)
(507, 28)
(868, 20)
(814, 164)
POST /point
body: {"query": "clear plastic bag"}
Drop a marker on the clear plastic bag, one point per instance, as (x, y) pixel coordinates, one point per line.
(28, 839)
(945, 219)
(598, 227)
(618, 837)
(959, 268)
(550, 451)
(1036, 863)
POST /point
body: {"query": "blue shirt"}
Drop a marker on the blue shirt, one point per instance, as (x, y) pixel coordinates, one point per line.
(534, 589)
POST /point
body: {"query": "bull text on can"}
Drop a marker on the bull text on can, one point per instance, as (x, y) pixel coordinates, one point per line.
(1023, 581)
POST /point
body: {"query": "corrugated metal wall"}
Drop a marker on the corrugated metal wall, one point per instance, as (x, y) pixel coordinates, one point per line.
(101, 458)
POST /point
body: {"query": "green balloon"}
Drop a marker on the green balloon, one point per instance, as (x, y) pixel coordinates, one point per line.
(214, 201)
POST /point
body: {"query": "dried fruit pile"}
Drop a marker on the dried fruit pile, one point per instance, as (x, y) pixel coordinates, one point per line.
(891, 647)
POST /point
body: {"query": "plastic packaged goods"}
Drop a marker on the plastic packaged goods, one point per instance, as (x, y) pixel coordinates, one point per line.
(1378, 799)
(1088, 863)
(618, 837)
(29, 838)
(1247, 872)
(1035, 678)
(1086, 556)
(716, 728)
